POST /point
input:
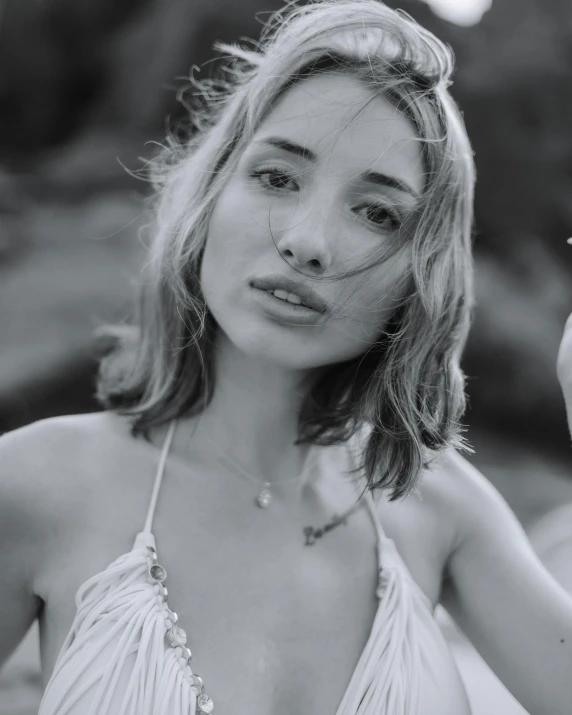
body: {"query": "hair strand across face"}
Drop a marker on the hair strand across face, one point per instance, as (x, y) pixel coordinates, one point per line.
(407, 391)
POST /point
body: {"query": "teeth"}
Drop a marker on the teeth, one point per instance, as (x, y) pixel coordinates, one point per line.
(284, 295)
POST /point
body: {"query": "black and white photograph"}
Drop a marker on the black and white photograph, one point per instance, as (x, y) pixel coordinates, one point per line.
(285, 357)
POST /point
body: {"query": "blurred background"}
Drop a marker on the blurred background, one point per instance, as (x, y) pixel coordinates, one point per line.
(88, 86)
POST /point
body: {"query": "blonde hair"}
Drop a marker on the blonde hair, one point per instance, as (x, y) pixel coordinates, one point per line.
(408, 387)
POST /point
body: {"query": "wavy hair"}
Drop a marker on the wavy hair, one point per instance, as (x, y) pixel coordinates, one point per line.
(408, 390)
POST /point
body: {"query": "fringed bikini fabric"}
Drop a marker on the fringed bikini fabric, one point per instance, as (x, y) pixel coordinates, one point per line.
(115, 659)
(125, 655)
(401, 647)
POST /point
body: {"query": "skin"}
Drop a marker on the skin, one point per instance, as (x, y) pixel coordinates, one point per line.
(324, 220)
(74, 490)
(564, 369)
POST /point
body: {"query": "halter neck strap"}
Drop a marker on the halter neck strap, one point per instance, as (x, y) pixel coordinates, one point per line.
(159, 476)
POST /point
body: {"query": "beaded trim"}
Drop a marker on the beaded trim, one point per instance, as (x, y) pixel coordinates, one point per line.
(176, 637)
(382, 581)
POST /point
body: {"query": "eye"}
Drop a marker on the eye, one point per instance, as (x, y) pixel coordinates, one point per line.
(381, 216)
(273, 178)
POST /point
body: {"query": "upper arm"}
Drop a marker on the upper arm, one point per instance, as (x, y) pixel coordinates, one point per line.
(511, 608)
(28, 512)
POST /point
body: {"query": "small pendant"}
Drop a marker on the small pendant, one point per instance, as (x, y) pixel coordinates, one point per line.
(264, 497)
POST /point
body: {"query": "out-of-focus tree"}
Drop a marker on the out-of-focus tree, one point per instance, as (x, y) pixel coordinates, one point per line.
(91, 81)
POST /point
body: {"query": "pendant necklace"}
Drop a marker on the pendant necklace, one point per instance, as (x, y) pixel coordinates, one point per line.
(264, 497)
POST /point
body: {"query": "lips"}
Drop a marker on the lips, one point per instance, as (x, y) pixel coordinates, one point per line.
(283, 312)
(285, 300)
(309, 297)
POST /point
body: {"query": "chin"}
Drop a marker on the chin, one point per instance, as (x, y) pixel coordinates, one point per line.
(263, 343)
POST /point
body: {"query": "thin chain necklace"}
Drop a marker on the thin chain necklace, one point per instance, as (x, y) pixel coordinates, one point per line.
(264, 496)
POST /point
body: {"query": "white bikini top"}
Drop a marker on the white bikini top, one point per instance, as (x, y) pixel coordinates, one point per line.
(125, 655)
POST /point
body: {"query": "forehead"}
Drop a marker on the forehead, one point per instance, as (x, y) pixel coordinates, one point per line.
(341, 120)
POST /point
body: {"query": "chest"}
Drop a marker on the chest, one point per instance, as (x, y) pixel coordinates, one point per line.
(268, 625)
(273, 625)
(277, 628)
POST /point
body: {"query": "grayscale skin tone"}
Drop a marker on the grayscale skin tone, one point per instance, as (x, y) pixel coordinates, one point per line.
(74, 490)
(564, 368)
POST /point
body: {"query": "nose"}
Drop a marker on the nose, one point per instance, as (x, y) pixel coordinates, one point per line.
(306, 242)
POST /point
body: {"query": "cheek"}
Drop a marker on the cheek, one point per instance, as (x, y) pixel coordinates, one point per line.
(216, 263)
(365, 319)
(216, 260)
(232, 246)
(236, 228)
(225, 236)
(218, 229)
(375, 298)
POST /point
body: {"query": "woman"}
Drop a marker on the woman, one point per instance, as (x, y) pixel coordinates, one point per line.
(298, 465)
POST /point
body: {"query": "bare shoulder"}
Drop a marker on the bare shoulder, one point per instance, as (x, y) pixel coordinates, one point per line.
(56, 484)
(42, 453)
(44, 472)
(37, 495)
(460, 495)
(430, 524)
(450, 478)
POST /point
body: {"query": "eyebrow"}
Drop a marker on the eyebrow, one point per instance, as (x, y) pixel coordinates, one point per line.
(372, 177)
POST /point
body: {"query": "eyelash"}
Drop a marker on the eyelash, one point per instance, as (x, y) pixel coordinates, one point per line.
(259, 173)
(269, 170)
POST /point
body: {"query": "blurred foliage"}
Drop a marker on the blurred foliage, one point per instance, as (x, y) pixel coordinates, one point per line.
(93, 81)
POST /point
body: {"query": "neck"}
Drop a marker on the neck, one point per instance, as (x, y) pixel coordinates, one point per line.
(252, 417)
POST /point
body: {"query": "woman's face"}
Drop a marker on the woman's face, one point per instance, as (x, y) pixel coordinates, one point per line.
(324, 214)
